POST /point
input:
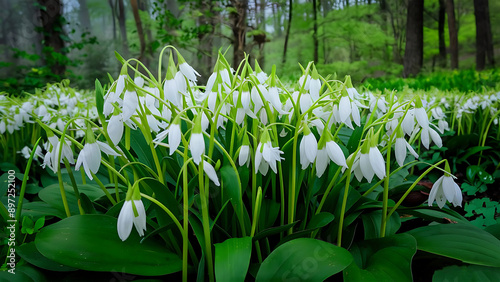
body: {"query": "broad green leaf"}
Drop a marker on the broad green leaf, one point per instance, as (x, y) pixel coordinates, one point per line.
(435, 214)
(467, 273)
(463, 242)
(38, 209)
(304, 259)
(30, 253)
(91, 242)
(23, 273)
(52, 195)
(232, 258)
(494, 230)
(320, 220)
(232, 191)
(383, 259)
(372, 224)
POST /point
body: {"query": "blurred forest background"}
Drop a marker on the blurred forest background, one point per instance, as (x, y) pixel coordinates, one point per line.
(48, 40)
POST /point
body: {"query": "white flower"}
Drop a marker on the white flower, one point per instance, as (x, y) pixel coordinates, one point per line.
(331, 151)
(210, 172)
(188, 71)
(270, 155)
(52, 154)
(308, 150)
(127, 218)
(444, 189)
(400, 150)
(197, 146)
(130, 104)
(244, 157)
(171, 92)
(115, 128)
(367, 165)
(90, 157)
(429, 133)
(314, 87)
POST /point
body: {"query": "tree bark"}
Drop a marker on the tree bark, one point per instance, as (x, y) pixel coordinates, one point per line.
(414, 38)
(51, 20)
(84, 17)
(452, 30)
(315, 31)
(123, 29)
(239, 27)
(113, 14)
(484, 42)
(140, 31)
(442, 44)
(287, 34)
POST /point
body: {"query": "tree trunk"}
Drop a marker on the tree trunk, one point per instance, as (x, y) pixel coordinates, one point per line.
(50, 15)
(287, 34)
(315, 31)
(442, 44)
(325, 8)
(484, 42)
(113, 14)
(452, 30)
(239, 27)
(140, 31)
(123, 29)
(414, 38)
(84, 17)
(208, 18)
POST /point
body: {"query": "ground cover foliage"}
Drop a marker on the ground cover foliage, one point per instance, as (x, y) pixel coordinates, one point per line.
(152, 176)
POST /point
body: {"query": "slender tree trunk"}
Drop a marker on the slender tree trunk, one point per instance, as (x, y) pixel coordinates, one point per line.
(84, 17)
(414, 38)
(140, 31)
(452, 30)
(205, 39)
(315, 31)
(484, 42)
(112, 6)
(123, 29)
(287, 34)
(325, 8)
(239, 27)
(51, 13)
(441, 22)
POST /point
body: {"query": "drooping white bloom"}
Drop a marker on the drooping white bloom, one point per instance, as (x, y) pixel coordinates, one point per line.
(188, 71)
(308, 150)
(115, 128)
(429, 133)
(52, 147)
(90, 157)
(130, 104)
(444, 189)
(197, 146)
(127, 218)
(244, 156)
(331, 151)
(314, 87)
(210, 172)
(368, 164)
(400, 150)
(270, 155)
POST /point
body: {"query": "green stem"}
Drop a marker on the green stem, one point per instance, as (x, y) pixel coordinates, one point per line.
(206, 223)
(342, 210)
(75, 187)
(108, 195)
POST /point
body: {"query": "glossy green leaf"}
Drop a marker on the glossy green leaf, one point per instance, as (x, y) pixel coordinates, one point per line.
(467, 273)
(382, 259)
(91, 242)
(494, 230)
(304, 259)
(30, 253)
(463, 242)
(320, 220)
(372, 223)
(52, 195)
(232, 258)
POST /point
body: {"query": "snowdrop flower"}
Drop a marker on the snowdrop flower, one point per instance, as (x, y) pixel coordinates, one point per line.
(444, 189)
(210, 172)
(130, 104)
(400, 150)
(270, 154)
(197, 146)
(26, 152)
(328, 151)
(308, 148)
(115, 128)
(370, 161)
(348, 110)
(428, 133)
(188, 71)
(53, 147)
(132, 213)
(90, 157)
(244, 156)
